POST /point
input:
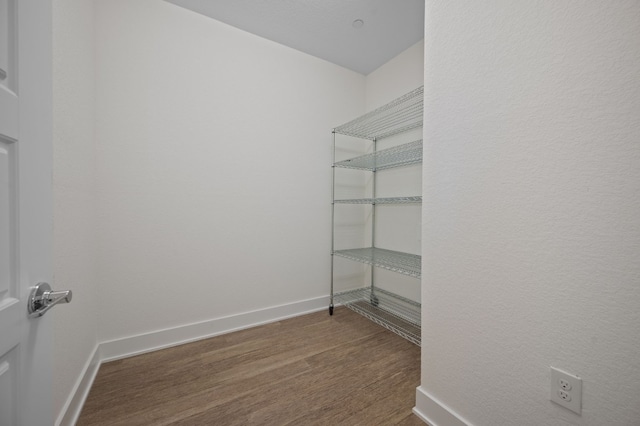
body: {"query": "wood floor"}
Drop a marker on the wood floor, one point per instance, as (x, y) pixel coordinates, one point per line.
(310, 370)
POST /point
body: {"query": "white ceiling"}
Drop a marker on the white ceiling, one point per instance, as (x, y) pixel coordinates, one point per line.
(323, 28)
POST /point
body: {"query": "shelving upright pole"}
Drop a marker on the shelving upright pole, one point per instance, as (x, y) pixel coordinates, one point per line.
(374, 299)
(333, 206)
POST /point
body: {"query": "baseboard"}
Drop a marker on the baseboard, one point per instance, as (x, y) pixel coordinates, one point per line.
(434, 412)
(71, 410)
(161, 339)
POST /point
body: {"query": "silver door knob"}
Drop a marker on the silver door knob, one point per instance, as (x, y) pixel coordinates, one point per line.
(42, 299)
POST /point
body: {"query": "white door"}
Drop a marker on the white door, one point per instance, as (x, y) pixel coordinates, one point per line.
(25, 210)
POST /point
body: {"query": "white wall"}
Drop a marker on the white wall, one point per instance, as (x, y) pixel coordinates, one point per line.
(73, 193)
(531, 224)
(213, 150)
(400, 75)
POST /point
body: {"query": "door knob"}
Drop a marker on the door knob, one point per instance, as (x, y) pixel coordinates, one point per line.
(42, 299)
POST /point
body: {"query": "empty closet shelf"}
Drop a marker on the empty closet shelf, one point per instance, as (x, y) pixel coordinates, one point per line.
(401, 155)
(388, 200)
(395, 313)
(402, 263)
(400, 115)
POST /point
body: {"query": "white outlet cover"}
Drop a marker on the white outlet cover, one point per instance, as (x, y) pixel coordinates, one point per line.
(574, 399)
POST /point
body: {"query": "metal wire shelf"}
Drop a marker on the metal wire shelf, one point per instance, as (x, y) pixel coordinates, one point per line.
(401, 155)
(393, 312)
(399, 115)
(398, 314)
(396, 261)
(388, 200)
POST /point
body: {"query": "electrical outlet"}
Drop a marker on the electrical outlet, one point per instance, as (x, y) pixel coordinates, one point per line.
(566, 390)
(564, 396)
(565, 385)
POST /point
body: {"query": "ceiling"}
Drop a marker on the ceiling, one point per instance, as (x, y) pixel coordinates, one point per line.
(325, 28)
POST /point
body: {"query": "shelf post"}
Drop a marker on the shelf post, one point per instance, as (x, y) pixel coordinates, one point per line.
(333, 206)
(373, 222)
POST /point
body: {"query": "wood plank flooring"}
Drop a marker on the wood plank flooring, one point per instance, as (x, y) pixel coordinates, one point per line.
(315, 369)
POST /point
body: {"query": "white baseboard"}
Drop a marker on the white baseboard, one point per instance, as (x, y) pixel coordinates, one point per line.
(71, 410)
(434, 412)
(161, 339)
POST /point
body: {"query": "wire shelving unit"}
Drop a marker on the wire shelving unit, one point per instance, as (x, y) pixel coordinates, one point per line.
(390, 310)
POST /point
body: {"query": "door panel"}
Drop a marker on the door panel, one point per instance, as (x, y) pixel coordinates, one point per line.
(8, 44)
(7, 223)
(25, 210)
(8, 98)
(10, 335)
(8, 387)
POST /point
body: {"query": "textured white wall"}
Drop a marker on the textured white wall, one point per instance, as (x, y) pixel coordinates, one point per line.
(531, 223)
(73, 192)
(213, 150)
